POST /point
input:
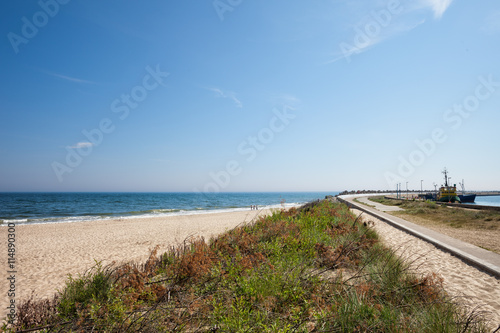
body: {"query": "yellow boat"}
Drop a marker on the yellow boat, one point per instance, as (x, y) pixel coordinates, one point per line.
(447, 193)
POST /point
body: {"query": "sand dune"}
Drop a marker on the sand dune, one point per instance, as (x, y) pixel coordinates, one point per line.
(47, 253)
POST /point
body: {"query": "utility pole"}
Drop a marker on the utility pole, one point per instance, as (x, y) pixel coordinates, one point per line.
(406, 190)
(421, 186)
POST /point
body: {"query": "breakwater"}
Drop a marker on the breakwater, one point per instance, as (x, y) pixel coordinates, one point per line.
(487, 194)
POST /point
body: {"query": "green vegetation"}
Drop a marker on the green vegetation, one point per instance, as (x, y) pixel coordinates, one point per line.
(455, 217)
(315, 269)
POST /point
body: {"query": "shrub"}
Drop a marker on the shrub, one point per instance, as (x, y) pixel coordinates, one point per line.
(94, 285)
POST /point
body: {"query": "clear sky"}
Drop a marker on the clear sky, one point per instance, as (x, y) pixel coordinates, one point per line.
(240, 95)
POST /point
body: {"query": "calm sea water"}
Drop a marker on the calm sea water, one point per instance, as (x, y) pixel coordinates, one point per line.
(488, 201)
(73, 207)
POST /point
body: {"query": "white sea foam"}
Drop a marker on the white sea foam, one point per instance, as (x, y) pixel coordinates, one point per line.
(139, 215)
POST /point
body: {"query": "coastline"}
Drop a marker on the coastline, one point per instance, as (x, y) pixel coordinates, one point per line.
(173, 213)
(47, 253)
(35, 207)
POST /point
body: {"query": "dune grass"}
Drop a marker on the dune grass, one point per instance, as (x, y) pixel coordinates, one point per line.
(316, 269)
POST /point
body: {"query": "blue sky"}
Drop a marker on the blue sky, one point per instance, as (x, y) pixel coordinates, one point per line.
(239, 95)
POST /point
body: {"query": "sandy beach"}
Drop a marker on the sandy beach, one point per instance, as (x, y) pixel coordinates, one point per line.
(47, 253)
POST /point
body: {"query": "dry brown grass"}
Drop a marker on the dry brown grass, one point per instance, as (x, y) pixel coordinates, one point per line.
(485, 238)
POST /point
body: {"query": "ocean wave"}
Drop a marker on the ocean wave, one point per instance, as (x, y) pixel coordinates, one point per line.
(150, 213)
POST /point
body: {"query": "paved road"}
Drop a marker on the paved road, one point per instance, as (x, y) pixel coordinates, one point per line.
(485, 260)
(378, 206)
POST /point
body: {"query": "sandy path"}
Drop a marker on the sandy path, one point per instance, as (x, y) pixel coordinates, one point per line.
(47, 253)
(471, 286)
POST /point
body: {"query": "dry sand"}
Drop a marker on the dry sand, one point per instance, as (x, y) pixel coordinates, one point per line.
(47, 253)
(469, 285)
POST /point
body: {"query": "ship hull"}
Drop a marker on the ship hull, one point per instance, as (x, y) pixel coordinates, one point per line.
(451, 199)
(467, 198)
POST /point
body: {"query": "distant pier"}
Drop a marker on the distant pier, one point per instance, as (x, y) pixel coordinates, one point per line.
(487, 194)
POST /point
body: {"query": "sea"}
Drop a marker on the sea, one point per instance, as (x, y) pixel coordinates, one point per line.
(31, 208)
(493, 200)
